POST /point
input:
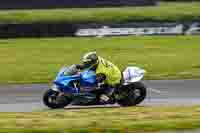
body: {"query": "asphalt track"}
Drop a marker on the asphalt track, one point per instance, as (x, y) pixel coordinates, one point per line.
(26, 98)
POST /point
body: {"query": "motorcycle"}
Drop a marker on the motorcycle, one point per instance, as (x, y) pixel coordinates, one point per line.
(80, 88)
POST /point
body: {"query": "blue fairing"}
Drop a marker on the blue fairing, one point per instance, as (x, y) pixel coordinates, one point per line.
(86, 78)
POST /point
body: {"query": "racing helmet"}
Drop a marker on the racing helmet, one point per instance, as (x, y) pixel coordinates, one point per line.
(89, 59)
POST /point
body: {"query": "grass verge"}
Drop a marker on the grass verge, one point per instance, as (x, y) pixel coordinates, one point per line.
(165, 11)
(113, 120)
(38, 60)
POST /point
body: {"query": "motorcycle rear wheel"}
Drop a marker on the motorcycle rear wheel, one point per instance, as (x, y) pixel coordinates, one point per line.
(132, 94)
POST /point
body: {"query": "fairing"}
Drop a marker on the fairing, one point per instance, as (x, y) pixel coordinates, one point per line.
(64, 82)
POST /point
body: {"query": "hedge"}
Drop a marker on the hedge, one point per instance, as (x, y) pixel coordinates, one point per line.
(165, 11)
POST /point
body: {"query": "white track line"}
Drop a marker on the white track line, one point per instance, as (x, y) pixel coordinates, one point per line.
(92, 106)
(157, 91)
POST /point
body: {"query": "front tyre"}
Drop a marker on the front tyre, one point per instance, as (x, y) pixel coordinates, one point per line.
(52, 99)
(132, 94)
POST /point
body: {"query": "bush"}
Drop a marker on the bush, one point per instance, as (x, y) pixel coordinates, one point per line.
(165, 11)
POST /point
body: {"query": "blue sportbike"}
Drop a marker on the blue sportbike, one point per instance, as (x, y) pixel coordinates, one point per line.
(80, 88)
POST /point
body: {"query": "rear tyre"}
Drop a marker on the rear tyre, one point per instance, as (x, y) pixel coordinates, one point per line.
(132, 94)
(52, 99)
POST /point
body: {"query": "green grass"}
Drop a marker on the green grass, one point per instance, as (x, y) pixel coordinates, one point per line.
(165, 11)
(115, 120)
(38, 60)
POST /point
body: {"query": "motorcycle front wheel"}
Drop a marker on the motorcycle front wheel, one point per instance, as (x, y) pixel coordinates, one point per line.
(52, 99)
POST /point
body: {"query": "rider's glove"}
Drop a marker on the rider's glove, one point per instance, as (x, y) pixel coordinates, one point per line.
(80, 66)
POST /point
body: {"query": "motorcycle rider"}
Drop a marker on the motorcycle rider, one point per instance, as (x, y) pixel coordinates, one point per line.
(108, 75)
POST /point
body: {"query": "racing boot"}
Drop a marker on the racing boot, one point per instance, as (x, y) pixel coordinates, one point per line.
(107, 97)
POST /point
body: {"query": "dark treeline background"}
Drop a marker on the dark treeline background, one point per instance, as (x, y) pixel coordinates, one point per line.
(45, 4)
